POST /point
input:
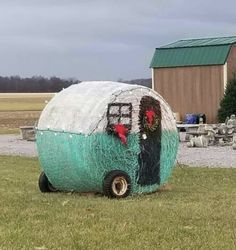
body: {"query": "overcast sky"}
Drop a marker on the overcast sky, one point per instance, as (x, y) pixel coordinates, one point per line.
(101, 39)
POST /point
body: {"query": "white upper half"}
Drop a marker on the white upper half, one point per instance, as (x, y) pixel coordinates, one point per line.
(82, 108)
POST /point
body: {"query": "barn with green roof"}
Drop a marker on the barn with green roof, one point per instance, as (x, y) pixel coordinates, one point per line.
(192, 74)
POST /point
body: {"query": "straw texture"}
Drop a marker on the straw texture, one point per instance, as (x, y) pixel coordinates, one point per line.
(75, 150)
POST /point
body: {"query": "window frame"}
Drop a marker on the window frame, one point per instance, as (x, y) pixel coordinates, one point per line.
(110, 126)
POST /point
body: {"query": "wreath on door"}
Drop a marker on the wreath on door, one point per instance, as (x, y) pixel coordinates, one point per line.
(150, 120)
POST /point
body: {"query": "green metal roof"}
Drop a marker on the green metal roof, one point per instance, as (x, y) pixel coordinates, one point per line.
(202, 42)
(194, 52)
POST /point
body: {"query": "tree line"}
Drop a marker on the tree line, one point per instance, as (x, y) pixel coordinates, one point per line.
(16, 84)
(37, 84)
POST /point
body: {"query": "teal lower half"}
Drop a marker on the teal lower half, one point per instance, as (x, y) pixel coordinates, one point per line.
(80, 162)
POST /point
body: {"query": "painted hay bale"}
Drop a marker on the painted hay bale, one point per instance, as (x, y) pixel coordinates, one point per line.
(106, 137)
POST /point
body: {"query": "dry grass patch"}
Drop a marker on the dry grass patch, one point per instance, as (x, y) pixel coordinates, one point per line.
(11, 121)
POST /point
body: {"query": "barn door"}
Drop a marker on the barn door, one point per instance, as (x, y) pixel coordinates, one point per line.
(150, 141)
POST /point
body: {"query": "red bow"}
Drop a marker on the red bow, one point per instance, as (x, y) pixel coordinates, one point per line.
(150, 114)
(121, 130)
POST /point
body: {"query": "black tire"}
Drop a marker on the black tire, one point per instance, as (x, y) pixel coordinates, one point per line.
(117, 184)
(44, 185)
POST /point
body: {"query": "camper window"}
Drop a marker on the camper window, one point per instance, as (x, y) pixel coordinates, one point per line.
(119, 113)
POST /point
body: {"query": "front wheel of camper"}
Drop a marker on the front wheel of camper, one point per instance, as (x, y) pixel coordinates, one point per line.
(117, 184)
(44, 184)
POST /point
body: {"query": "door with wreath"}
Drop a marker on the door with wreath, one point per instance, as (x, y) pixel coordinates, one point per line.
(150, 141)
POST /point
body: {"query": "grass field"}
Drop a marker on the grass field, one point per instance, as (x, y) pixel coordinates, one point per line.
(20, 109)
(197, 212)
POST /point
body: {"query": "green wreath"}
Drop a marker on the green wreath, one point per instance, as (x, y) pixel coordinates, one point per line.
(153, 127)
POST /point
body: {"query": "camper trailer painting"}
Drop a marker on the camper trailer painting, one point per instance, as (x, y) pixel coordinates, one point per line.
(108, 137)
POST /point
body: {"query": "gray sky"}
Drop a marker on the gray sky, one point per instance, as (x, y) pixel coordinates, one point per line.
(101, 39)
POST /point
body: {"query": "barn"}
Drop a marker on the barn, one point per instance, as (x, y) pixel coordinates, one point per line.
(192, 74)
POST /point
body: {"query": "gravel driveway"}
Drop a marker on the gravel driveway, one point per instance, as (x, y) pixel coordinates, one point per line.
(211, 156)
(14, 145)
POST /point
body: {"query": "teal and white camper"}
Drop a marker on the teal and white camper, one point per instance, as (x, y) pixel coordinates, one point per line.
(108, 137)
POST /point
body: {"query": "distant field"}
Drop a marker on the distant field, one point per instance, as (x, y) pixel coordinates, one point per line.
(24, 101)
(20, 109)
(23, 95)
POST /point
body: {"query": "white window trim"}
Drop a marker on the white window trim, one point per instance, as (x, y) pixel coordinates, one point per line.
(153, 79)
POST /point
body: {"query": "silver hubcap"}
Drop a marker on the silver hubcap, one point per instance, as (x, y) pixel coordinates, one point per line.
(119, 186)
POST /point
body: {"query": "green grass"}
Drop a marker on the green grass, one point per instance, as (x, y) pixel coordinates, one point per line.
(199, 212)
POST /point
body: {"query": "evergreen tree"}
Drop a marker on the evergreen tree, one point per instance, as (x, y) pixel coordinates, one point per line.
(228, 103)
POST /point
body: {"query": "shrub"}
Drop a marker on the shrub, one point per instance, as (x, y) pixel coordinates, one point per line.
(228, 103)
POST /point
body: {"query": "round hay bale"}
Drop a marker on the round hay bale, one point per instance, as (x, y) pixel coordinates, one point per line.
(92, 129)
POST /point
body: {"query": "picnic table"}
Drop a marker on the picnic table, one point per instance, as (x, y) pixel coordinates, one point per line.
(188, 128)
